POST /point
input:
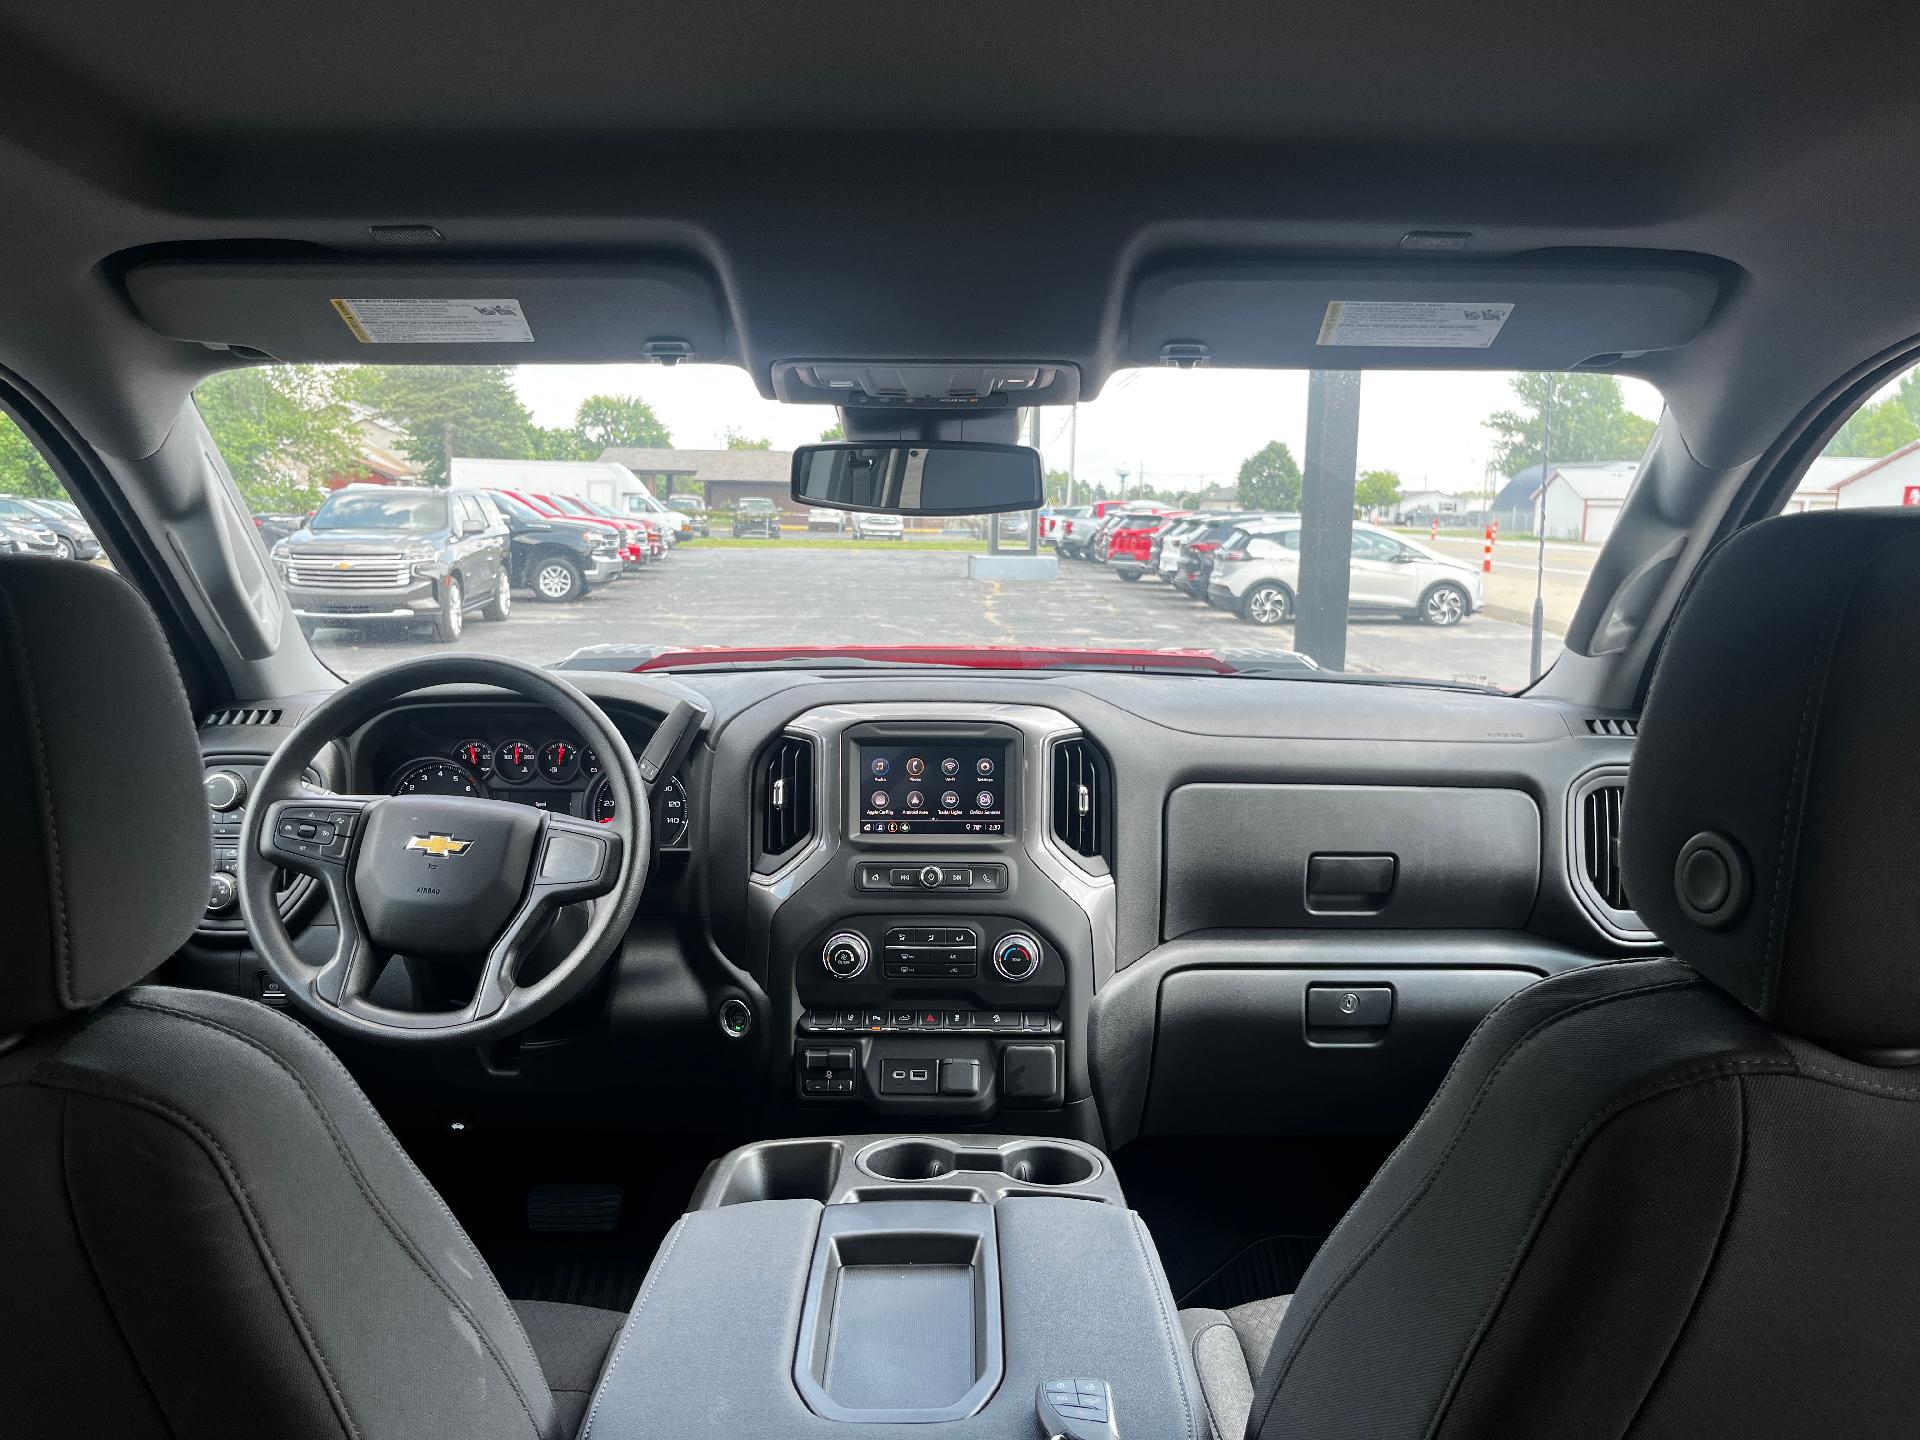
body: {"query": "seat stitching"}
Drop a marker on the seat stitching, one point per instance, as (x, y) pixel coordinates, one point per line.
(620, 1348)
(373, 1202)
(1213, 1421)
(93, 1271)
(49, 817)
(1166, 1323)
(1706, 1273)
(1433, 1172)
(244, 1202)
(1653, 1090)
(326, 1056)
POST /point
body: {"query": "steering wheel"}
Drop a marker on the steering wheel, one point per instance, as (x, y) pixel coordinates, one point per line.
(442, 877)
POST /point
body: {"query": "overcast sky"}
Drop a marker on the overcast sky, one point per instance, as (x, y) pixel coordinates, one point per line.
(1189, 428)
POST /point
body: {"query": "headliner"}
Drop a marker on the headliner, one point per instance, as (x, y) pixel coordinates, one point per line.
(977, 183)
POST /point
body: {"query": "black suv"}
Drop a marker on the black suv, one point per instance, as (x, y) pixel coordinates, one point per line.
(755, 515)
(386, 553)
(553, 558)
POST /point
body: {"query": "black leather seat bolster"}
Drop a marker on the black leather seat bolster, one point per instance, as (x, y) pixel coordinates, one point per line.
(1407, 1286)
(257, 1233)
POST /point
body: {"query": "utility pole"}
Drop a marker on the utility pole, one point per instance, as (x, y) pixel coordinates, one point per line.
(446, 448)
(1540, 535)
(1073, 446)
(1326, 516)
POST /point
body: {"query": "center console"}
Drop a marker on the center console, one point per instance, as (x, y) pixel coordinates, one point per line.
(899, 1280)
(937, 941)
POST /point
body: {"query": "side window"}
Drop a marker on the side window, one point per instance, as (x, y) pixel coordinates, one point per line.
(489, 512)
(1368, 546)
(1291, 540)
(471, 520)
(36, 517)
(1873, 459)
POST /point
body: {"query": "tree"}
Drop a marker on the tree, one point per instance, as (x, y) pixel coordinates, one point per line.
(548, 442)
(1058, 484)
(1881, 428)
(1590, 422)
(283, 430)
(1270, 479)
(473, 406)
(832, 433)
(740, 440)
(1377, 489)
(23, 470)
(604, 422)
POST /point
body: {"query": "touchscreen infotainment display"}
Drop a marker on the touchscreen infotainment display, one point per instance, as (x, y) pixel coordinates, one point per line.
(933, 787)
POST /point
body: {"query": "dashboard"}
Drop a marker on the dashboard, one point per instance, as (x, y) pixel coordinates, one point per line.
(1101, 906)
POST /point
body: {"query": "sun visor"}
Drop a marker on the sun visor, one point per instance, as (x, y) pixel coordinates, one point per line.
(437, 312)
(1424, 317)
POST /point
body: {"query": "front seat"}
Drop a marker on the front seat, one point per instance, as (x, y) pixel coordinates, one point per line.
(205, 1229)
(1673, 1197)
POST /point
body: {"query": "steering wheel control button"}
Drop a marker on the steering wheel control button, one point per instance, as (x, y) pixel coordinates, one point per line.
(1352, 1007)
(1017, 956)
(225, 790)
(845, 955)
(572, 859)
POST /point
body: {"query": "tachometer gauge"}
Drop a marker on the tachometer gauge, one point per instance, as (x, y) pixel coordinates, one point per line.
(560, 761)
(669, 807)
(514, 762)
(476, 755)
(433, 776)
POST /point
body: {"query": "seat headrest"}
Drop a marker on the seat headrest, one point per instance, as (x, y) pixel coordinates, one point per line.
(1773, 806)
(104, 836)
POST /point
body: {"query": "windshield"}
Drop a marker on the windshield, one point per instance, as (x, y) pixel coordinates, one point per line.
(1178, 533)
(382, 512)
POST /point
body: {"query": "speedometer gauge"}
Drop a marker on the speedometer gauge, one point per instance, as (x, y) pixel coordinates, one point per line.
(433, 776)
(669, 808)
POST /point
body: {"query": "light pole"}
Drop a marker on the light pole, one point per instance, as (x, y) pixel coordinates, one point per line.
(1540, 533)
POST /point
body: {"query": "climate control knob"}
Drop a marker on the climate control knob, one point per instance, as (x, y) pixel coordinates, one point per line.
(1016, 956)
(845, 955)
(225, 790)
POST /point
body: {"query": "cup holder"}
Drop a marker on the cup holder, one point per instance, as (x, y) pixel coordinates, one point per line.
(1039, 1162)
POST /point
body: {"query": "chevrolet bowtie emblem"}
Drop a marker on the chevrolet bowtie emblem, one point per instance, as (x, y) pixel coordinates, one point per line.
(439, 845)
(343, 564)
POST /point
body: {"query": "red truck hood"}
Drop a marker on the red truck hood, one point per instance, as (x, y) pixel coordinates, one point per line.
(978, 657)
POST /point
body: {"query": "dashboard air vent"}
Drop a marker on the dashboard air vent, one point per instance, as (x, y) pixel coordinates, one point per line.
(1082, 798)
(1595, 807)
(1600, 843)
(243, 717)
(1613, 725)
(787, 794)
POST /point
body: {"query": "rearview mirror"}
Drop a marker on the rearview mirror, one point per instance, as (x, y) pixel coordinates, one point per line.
(950, 477)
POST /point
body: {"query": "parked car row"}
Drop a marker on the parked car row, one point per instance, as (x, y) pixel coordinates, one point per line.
(33, 525)
(1249, 563)
(417, 555)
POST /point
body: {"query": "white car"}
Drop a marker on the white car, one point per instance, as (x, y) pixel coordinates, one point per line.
(1256, 574)
(877, 527)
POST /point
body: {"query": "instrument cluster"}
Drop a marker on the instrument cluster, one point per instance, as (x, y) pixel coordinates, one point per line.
(552, 773)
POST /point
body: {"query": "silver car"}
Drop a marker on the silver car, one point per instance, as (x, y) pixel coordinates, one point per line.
(1256, 574)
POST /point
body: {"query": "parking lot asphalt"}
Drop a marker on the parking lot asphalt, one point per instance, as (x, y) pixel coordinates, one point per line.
(789, 594)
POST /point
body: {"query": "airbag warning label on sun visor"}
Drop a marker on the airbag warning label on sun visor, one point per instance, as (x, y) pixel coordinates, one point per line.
(435, 322)
(1412, 324)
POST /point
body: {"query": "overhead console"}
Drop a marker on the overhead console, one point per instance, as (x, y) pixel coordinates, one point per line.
(934, 938)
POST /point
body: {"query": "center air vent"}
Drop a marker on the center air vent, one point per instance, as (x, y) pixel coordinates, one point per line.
(786, 795)
(1082, 799)
(1594, 815)
(243, 717)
